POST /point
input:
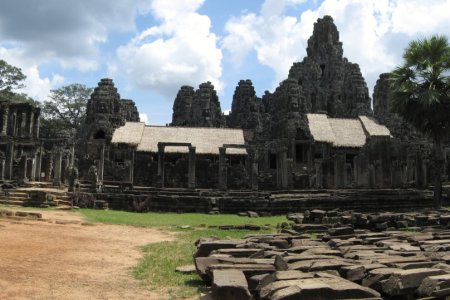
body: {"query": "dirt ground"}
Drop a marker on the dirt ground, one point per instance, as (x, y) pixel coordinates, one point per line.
(62, 257)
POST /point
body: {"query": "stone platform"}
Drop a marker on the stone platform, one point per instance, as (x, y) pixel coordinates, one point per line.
(270, 202)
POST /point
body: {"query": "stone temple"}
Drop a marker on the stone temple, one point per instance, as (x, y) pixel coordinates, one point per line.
(316, 131)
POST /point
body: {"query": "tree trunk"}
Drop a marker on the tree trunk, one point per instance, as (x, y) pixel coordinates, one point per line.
(438, 165)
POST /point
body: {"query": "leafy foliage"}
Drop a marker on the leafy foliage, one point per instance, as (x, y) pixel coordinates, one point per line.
(82, 200)
(421, 86)
(10, 77)
(17, 98)
(65, 111)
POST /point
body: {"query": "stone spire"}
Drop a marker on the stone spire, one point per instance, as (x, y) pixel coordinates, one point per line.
(330, 83)
(206, 111)
(324, 42)
(199, 109)
(182, 106)
(105, 112)
(245, 108)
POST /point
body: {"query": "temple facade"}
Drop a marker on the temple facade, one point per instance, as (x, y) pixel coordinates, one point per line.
(316, 130)
(20, 148)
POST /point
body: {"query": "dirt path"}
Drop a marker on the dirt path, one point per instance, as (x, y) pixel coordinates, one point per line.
(62, 259)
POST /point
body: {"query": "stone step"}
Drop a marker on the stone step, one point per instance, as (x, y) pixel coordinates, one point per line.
(62, 202)
(12, 202)
(17, 193)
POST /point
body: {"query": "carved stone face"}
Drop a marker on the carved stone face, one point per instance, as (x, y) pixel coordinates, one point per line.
(102, 107)
(293, 102)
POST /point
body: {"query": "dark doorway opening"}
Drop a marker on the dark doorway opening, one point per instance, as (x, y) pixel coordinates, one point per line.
(99, 135)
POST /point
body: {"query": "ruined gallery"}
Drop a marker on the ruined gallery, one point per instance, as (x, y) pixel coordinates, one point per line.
(316, 131)
(352, 179)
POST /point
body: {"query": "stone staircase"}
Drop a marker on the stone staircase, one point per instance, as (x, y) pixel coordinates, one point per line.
(36, 194)
(14, 197)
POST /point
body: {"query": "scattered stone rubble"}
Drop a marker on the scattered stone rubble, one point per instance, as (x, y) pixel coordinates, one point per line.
(4, 213)
(351, 256)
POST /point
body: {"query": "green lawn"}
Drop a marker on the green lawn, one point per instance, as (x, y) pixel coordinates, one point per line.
(169, 220)
(156, 269)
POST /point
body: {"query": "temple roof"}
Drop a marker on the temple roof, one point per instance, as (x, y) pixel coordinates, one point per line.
(342, 133)
(206, 140)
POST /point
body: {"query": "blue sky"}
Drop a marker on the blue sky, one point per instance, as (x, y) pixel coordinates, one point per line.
(152, 47)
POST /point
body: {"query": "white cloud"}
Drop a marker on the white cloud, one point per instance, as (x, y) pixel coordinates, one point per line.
(143, 117)
(374, 32)
(278, 40)
(64, 33)
(68, 32)
(181, 50)
(36, 86)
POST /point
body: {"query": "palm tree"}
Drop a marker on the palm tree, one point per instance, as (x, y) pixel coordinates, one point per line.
(421, 95)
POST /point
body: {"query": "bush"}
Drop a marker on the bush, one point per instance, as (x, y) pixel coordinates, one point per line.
(140, 204)
(82, 200)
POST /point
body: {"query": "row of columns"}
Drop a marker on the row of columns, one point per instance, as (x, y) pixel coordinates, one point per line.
(6, 168)
(28, 127)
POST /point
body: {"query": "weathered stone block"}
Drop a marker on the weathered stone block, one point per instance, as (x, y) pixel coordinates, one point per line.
(341, 231)
(230, 285)
(204, 248)
(435, 286)
(405, 280)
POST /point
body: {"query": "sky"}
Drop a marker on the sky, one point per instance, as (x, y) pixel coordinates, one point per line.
(150, 48)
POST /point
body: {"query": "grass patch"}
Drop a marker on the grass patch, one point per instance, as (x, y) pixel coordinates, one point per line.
(157, 267)
(170, 220)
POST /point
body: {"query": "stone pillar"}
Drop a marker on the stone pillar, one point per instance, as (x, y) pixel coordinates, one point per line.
(340, 172)
(282, 170)
(67, 161)
(37, 122)
(33, 167)
(23, 124)
(101, 167)
(37, 174)
(191, 171)
(356, 170)
(161, 163)
(253, 170)
(410, 169)
(131, 176)
(222, 169)
(5, 120)
(309, 155)
(30, 125)
(49, 166)
(57, 168)
(9, 160)
(72, 156)
(25, 167)
(319, 173)
(2, 170)
(14, 124)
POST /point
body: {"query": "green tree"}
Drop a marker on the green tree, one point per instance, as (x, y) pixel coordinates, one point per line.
(421, 95)
(10, 77)
(64, 113)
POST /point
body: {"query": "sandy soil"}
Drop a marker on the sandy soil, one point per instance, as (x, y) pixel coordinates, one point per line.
(65, 258)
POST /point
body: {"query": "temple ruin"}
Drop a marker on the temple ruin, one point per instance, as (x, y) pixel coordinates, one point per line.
(316, 131)
(20, 149)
